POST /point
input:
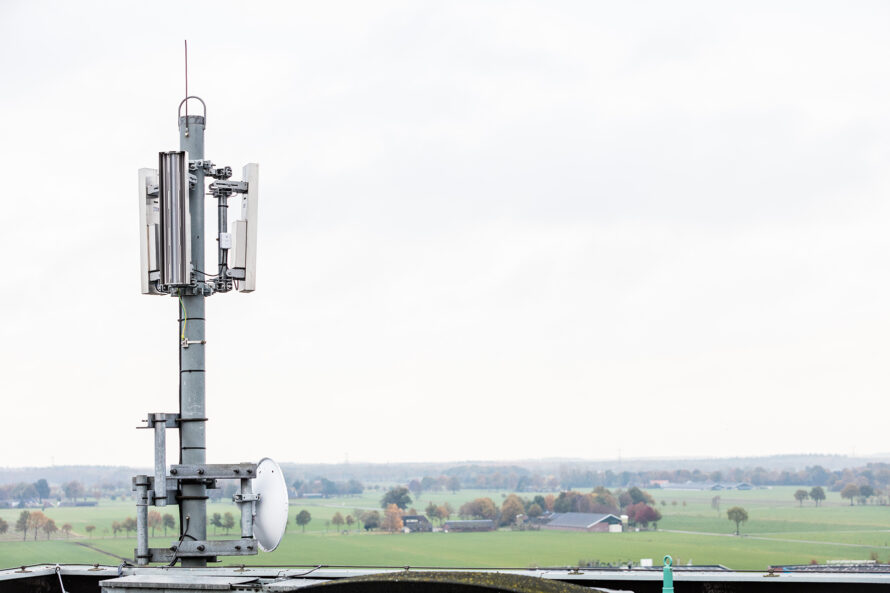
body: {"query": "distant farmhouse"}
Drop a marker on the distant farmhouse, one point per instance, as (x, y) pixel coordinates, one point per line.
(591, 522)
(703, 485)
(416, 523)
(470, 525)
(735, 486)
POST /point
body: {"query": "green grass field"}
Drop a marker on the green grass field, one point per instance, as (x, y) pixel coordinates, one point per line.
(779, 532)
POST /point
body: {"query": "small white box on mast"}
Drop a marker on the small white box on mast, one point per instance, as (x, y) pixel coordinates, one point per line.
(245, 229)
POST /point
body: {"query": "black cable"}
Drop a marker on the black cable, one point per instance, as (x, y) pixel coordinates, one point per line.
(296, 576)
(181, 538)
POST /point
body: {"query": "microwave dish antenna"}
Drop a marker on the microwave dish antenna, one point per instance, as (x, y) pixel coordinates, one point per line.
(270, 520)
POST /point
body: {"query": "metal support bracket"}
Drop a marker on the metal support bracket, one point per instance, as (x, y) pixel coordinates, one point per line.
(227, 188)
(203, 549)
(170, 419)
(216, 471)
(186, 343)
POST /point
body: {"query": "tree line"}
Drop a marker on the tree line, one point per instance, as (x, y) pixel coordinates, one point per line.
(35, 522)
(637, 504)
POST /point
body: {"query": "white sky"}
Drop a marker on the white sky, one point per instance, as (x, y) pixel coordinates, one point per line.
(487, 230)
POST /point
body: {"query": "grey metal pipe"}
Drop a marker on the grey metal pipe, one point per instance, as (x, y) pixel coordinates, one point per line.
(223, 227)
(160, 485)
(192, 438)
(247, 509)
(142, 553)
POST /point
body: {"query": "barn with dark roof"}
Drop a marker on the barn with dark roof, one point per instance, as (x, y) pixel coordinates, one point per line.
(584, 522)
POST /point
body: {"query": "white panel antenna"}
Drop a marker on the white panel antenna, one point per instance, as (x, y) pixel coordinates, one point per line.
(148, 231)
(175, 221)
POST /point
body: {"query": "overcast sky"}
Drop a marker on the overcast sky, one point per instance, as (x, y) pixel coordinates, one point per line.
(487, 230)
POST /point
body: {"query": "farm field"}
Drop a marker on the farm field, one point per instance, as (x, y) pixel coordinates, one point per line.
(779, 531)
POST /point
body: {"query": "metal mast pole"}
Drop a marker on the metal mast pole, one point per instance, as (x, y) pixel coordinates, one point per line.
(192, 436)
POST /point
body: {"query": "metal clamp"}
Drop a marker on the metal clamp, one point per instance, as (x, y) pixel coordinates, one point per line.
(210, 169)
(186, 343)
(169, 419)
(239, 498)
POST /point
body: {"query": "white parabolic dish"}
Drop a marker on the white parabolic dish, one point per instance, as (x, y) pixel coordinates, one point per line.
(271, 509)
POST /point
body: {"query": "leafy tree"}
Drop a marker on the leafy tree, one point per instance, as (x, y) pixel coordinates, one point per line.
(42, 488)
(801, 495)
(397, 496)
(416, 487)
(168, 522)
(116, 528)
(297, 485)
(154, 521)
(512, 507)
(89, 529)
(216, 521)
(601, 496)
(36, 521)
(338, 520)
(303, 519)
(637, 496)
(228, 522)
(534, 510)
(49, 527)
(22, 524)
(715, 504)
(642, 514)
(444, 512)
(392, 518)
(73, 489)
(66, 529)
(865, 492)
(24, 492)
(453, 484)
(428, 483)
(371, 520)
(737, 515)
(129, 524)
(354, 487)
(328, 488)
(480, 508)
(850, 491)
(432, 511)
(4, 526)
(817, 494)
(350, 520)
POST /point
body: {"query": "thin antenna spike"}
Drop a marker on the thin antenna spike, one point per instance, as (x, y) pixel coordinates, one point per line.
(186, 42)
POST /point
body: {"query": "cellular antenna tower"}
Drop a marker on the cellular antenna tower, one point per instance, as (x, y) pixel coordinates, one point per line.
(171, 212)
